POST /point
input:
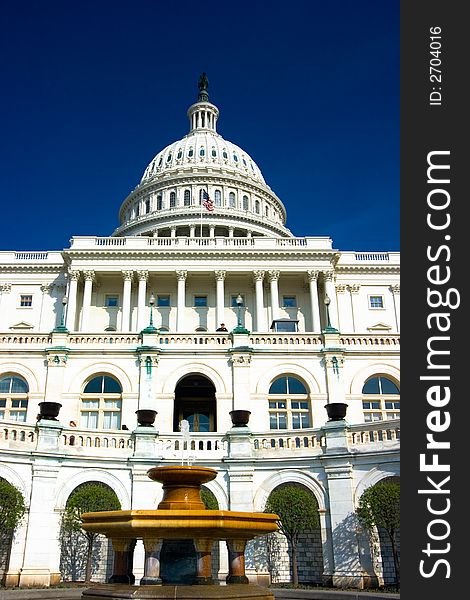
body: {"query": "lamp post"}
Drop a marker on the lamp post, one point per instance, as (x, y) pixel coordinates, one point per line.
(61, 328)
(150, 328)
(328, 328)
(239, 302)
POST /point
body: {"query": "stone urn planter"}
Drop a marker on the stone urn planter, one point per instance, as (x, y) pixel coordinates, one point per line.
(240, 418)
(146, 417)
(336, 411)
(49, 410)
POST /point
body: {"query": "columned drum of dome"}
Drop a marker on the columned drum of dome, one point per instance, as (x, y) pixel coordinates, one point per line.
(168, 200)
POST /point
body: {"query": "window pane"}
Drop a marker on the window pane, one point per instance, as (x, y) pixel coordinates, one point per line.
(94, 386)
(111, 301)
(163, 300)
(2, 414)
(90, 404)
(114, 403)
(5, 385)
(295, 386)
(282, 421)
(388, 387)
(89, 420)
(371, 386)
(112, 420)
(376, 302)
(18, 415)
(295, 421)
(3, 402)
(111, 386)
(200, 300)
(289, 301)
(279, 386)
(273, 421)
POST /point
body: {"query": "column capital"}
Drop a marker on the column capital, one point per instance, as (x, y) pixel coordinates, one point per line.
(258, 275)
(220, 275)
(341, 288)
(312, 275)
(89, 275)
(354, 288)
(5, 288)
(274, 275)
(328, 275)
(143, 275)
(127, 275)
(46, 288)
(181, 275)
(395, 289)
(74, 275)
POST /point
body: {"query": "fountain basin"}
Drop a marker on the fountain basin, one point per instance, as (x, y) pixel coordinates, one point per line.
(180, 524)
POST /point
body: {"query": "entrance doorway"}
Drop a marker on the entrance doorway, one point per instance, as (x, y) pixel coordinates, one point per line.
(195, 402)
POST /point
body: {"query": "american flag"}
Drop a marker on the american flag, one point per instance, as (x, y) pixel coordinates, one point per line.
(207, 202)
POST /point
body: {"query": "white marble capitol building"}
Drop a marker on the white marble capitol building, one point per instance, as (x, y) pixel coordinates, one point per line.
(112, 325)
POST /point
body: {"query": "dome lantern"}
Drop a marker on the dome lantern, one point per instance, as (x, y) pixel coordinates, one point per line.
(203, 115)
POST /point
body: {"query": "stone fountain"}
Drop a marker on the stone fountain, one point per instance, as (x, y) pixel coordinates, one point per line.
(181, 515)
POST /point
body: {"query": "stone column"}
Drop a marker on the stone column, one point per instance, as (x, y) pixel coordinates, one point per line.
(211, 231)
(258, 276)
(181, 300)
(126, 300)
(273, 280)
(5, 288)
(46, 289)
(230, 232)
(354, 290)
(72, 300)
(56, 364)
(312, 277)
(203, 548)
(38, 569)
(143, 277)
(236, 561)
(241, 361)
(330, 291)
(153, 547)
(395, 289)
(220, 309)
(122, 559)
(192, 231)
(173, 231)
(333, 363)
(89, 277)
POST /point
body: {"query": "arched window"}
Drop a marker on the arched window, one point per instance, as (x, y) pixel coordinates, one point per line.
(180, 154)
(101, 403)
(214, 152)
(137, 209)
(190, 152)
(187, 197)
(231, 200)
(289, 404)
(245, 202)
(235, 157)
(218, 198)
(202, 152)
(224, 154)
(159, 202)
(168, 158)
(380, 399)
(13, 398)
(257, 207)
(201, 195)
(266, 211)
(147, 205)
(172, 199)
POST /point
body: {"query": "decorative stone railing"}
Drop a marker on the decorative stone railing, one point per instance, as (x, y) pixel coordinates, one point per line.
(306, 441)
(104, 338)
(196, 339)
(201, 445)
(285, 339)
(26, 339)
(379, 435)
(31, 256)
(370, 340)
(94, 441)
(372, 433)
(182, 242)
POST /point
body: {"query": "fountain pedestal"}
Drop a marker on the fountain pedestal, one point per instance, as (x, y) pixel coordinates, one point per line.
(181, 515)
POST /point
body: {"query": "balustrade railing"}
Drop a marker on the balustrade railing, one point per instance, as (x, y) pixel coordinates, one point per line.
(372, 433)
(97, 440)
(291, 339)
(305, 441)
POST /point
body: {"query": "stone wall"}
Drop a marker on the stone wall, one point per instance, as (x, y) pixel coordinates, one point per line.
(309, 558)
(386, 564)
(73, 558)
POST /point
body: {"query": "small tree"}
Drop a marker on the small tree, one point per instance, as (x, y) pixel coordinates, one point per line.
(12, 509)
(89, 497)
(210, 501)
(379, 506)
(298, 513)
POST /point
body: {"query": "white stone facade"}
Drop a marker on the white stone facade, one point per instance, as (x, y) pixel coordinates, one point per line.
(195, 280)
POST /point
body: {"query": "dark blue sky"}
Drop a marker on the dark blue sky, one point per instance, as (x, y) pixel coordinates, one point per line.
(93, 89)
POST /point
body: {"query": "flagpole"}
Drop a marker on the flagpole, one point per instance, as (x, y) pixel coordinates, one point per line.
(200, 200)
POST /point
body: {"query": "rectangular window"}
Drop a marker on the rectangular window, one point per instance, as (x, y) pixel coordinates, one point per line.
(289, 301)
(112, 301)
(163, 300)
(376, 301)
(200, 301)
(26, 300)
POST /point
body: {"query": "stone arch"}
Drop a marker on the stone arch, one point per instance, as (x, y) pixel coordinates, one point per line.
(290, 476)
(12, 477)
(25, 372)
(373, 476)
(169, 383)
(262, 387)
(358, 380)
(216, 488)
(77, 382)
(89, 475)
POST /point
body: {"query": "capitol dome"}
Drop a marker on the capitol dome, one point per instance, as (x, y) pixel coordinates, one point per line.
(168, 202)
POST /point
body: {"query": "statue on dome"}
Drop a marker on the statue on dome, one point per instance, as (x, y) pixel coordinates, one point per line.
(203, 84)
